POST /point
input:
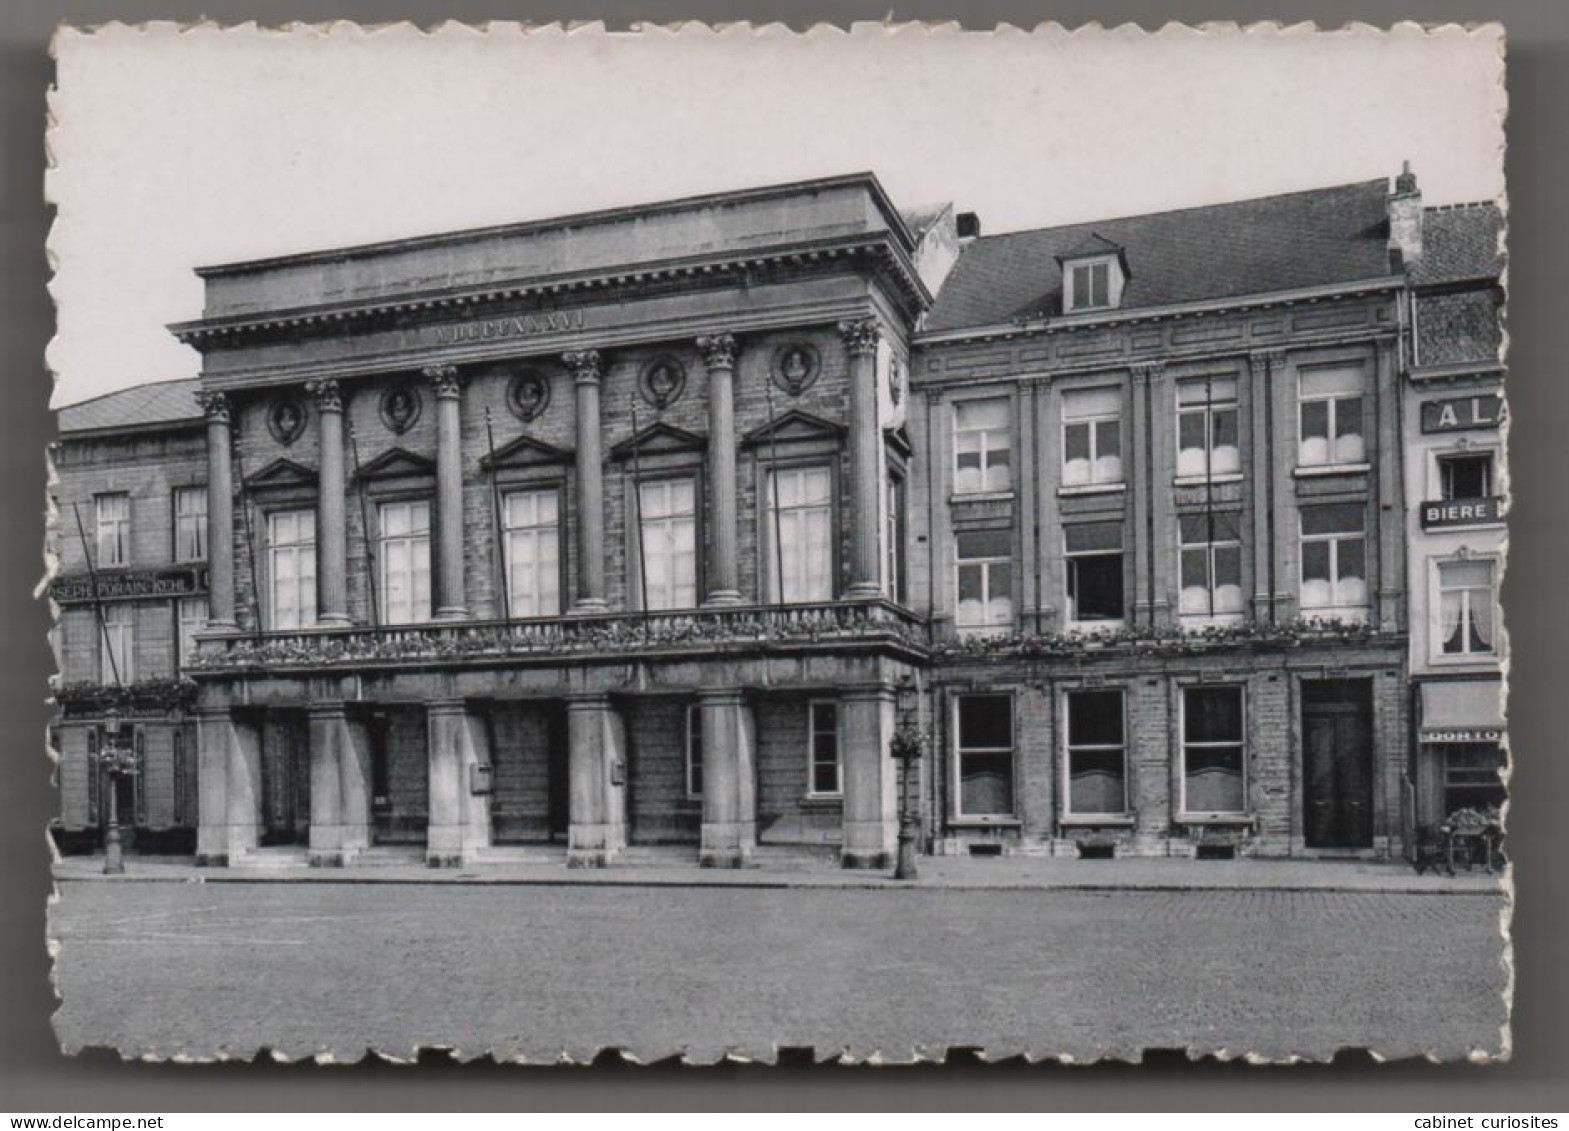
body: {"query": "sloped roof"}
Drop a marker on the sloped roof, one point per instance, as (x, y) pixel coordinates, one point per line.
(1459, 242)
(1274, 243)
(159, 402)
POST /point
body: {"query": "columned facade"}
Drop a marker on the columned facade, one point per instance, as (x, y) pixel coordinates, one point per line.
(861, 338)
(719, 352)
(220, 511)
(584, 366)
(331, 531)
(447, 384)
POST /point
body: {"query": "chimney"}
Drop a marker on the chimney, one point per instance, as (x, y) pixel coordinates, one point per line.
(1405, 220)
(969, 225)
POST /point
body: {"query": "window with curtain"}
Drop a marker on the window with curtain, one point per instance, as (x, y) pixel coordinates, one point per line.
(1466, 609)
(982, 446)
(667, 511)
(190, 524)
(1330, 413)
(1091, 288)
(1094, 559)
(1092, 437)
(291, 568)
(1211, 567)
(983, 725)
(1465, 476)
(1214, 777)
(117, 644)
(1334, 562)
(404, 556)
(798, 535)
(113, 513)
(983, 581)
(1097, 754)
(192, 612)
(1207, 443)
(533, 547)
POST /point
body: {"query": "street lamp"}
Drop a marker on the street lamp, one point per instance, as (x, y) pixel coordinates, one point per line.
(117, 762)
(909, 742)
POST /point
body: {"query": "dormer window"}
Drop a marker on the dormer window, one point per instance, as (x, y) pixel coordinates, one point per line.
(1091, 289)
(1093, 275)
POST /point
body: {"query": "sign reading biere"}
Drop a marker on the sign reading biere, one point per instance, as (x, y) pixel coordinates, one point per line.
(129, 585)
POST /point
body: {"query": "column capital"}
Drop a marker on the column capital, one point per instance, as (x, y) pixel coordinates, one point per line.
(215, 406)
(1270, 359)
(327, 394)
(444, 379)
(861, 335)
(1148, 372)
(586, 365)
(718, 350)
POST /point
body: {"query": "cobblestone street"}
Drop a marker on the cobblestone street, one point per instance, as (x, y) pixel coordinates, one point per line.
(169, 969)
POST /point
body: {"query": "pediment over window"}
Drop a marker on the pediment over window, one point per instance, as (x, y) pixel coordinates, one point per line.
(897, 440)
(526, 451)
(397, 463)
(794, 427)
(281, 473)
(659, 440)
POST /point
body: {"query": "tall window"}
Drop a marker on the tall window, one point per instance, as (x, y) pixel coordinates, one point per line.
(193, 618)
(1467, 476)
(1211, 567)
(1466, 609)
(694, 750)
(1092, 437)
(190, 524)
(1334, 561)
(984, 754)
(405, 562)
(667, 509)
(117, 644)
(984, 581)
(533, 546)
(291, 567)
(896, 536)
(1094, 557)
(114, 529)
(1207, 428)
(1091, 285)
(1097, 754)
(1213, 772)
(798, 534)
(823, 741)
(982, 446)
(1330, 410)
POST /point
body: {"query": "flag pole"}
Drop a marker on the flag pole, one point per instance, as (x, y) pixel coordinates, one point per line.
(98, 601)
(370, 555)
(636, 502)
(771, 480)
(501, 534)
(250, 542)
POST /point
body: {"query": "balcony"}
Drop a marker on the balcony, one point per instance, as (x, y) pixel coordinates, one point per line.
(744, 628)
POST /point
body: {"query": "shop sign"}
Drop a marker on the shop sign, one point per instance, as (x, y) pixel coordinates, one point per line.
(1459, 512)
(1460, 734)
(129, 585)
(1456, 414)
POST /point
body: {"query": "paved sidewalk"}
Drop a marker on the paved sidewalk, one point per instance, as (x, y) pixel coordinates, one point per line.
(660, 869)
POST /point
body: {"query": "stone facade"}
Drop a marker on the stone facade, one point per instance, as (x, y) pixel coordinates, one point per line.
(955, 566)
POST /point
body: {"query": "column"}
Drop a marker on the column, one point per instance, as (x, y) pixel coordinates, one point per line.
(340, 786)
(719, 355)
(586, 373)
(861, 338)
(459, 819)
(1159, 442)
(596, 736)
(871, 802)
(213, 737)
(729, 799)
(1263, 365)
(332, 550)
(1141, 482)
(220, 512)
(236, 747)
(450, 603)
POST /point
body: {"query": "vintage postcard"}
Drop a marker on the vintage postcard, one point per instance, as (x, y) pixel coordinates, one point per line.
(705, 541)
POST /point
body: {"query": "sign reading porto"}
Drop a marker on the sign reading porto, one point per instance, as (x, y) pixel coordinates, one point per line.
(129, 585)
(1459, 512)
(1456, 414)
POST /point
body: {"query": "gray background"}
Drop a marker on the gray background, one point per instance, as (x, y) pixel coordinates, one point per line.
(34, 1077)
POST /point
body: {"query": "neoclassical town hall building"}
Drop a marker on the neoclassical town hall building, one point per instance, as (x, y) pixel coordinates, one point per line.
(653, 526)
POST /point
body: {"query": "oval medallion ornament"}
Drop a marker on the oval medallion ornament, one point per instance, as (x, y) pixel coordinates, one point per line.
(400, 407)
(286, 419)
(896, 378)
(664, 378)
(796, 366)
(529, 394)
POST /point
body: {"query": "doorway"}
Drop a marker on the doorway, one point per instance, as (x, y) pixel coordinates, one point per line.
(1337, 763)
(286, 779)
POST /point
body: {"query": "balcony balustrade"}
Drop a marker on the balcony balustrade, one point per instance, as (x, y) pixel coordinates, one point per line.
(740, 627)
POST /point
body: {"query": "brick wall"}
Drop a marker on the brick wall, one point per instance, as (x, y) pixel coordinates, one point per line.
(785, 815)
(522, 734)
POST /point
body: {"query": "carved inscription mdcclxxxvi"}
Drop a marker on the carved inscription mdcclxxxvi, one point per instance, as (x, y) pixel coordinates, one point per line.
(518, 326)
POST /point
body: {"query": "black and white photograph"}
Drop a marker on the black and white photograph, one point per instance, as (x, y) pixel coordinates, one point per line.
(730, 543)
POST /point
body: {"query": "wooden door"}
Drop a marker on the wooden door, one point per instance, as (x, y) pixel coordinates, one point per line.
(1337, 763)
